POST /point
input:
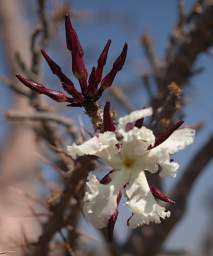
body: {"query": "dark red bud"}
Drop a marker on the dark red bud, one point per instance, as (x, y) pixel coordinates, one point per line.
(67, 83)
(129, 126)
(102, 61)
(106, 179)
(73, 43)
(92, 87)
(40, 88)
(79, 70)
(119, 197)
(117, 66)
(71, 89)
(139, 123)
(55, 68)
(119, 62)
(111, 225)
(163, 136)
(160, 195)
(108, 122)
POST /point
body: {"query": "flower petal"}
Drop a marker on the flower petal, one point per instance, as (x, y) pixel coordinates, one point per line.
(178, 140)
(168, 169)
(136, 142)
(141, 202)
(160, 155)
(158, 159)
(100, 201)
(133, 117)
(93, 146)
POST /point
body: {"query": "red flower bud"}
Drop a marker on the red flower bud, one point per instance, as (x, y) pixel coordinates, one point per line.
(73, 44)
(67, 83)
(102, 61)
(139, 123)
(108, 122)
(92, 87)
(117, 66)
(106, 179)
(160, 195)
(163, 136)
(55, 95)
(129, 126)
(111, 225)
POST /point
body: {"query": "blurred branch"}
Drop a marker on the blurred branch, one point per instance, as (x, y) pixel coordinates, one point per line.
(17, 166)
(171, 79)
(59, 207)
(181, 192)
(14, 87)
(121, 98)
(148, 45)
(159, 233)
(183, 54)
(181, 12)
(49, 117)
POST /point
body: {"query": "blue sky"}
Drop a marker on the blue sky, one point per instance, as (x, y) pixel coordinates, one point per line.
(158, 18)
(129, 20)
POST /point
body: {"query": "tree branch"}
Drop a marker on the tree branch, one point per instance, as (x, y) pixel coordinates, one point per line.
(49, 117)
(180, 194)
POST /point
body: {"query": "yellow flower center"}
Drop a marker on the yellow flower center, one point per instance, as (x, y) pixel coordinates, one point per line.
(128, 162)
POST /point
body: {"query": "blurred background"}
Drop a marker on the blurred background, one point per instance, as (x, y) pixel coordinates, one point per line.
(156, 32)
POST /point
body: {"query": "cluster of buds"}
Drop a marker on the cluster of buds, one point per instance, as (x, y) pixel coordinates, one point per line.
(92, 86)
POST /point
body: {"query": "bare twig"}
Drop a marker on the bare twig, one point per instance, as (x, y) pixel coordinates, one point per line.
(120, 96)
(14, 87)
(180, 59)
(49, 117)
(149, 51)
(55, 222)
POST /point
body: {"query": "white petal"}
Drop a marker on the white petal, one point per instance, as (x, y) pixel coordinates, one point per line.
(133, 116)
(137, 141)
(89, 147)
(178, 140)
(141, 202)
(93, 146)
(160, 155)
(159, 159)
(168, 168)
(100, 201)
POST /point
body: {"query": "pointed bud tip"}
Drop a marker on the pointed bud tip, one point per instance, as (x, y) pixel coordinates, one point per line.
(161, 196)
(21, 78)
(109, 42)
(67, 16)
(108, 122)
(44, 53)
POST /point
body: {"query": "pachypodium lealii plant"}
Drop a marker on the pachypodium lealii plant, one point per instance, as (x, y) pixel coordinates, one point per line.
(131, 150)
(128, 147)
(92, 86)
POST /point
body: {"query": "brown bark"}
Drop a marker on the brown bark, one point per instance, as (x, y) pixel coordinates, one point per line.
(18, 156)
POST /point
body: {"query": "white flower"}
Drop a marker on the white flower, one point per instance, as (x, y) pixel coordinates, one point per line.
(130, 151)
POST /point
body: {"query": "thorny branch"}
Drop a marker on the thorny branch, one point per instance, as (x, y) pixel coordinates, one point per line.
(55, 222)
(184, 48)
(49, 117)
(171, 79)
(182, 54)
(180, 193)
